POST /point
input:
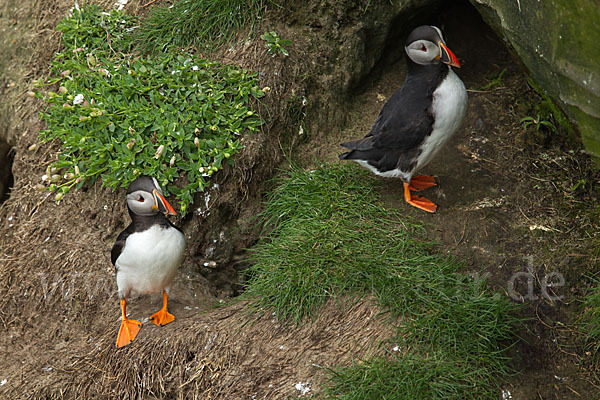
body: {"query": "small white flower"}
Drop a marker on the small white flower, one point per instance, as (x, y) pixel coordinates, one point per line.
(78, 99)
(3, 382)
(195, 68)
(159, 151)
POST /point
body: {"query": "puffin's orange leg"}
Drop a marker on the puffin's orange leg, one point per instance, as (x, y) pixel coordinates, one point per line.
(421, 182)
(419, 202)
(162, 316)
(129, 327)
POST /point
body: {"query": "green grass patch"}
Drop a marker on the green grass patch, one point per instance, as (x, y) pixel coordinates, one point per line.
(119, 115)
(329, 236)
(203, 24)
(429, 376)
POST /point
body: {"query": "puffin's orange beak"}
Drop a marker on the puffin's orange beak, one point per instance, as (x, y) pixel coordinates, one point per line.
(448, 57)
(161, 204)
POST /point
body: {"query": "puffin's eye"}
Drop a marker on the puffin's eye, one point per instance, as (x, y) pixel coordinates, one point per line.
(141, 198)
(423, 48)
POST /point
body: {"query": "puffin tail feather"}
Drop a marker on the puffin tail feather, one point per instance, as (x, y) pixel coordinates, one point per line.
(345, 156)
(357, 149)
(361, 144)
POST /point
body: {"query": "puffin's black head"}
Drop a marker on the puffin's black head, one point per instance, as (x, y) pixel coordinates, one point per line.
(144, 197)
(425, 45)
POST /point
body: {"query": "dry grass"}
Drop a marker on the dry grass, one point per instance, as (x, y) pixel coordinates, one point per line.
(222, 354)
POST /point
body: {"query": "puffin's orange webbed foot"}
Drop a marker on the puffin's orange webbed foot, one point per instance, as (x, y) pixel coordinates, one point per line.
(419, 202)
(129, 328)
(421, 182)
(162, 316)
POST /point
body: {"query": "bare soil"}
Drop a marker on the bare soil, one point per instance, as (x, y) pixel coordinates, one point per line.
(510, 200)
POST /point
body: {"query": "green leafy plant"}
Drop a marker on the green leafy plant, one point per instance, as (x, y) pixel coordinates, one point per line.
(580, 184)
(118, 115)
(275, 44)
(496, 81)
(547, 110)
(538, 122)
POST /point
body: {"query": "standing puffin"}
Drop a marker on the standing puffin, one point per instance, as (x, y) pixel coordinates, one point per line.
(146, 254)
(418, 119)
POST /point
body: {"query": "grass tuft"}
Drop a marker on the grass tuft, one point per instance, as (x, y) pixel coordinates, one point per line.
(329, 236)
(410, 377)
(203, 24)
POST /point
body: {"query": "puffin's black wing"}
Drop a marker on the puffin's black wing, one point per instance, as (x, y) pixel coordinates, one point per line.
(120, 244)
(402, 125)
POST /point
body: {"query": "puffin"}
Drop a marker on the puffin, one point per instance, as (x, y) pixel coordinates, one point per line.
(147, 253)
(419, 118)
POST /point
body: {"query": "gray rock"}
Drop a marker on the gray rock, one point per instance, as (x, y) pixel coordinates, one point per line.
(559, 42)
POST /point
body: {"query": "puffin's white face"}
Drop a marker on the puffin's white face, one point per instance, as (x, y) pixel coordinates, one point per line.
(142, 203)
(423, 52)
(148, 199)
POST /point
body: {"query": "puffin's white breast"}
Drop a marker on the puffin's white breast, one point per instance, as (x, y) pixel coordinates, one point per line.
(448, 108)
(149, 260)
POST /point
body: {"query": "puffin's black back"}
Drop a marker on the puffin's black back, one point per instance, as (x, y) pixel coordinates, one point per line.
(403, 123)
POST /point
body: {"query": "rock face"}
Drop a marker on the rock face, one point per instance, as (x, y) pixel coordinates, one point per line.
(350, 37)
(559, 41)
